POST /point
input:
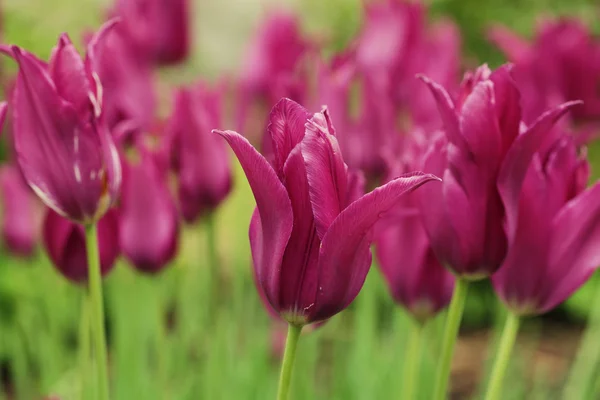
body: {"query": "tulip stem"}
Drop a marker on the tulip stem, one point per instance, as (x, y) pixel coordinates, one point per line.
(507, 342)
(457, 305)
(412, 362)
(287, 364)
(84, 348)
(97, 310)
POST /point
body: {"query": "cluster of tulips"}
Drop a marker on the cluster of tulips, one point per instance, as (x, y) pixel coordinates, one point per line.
(328, 148)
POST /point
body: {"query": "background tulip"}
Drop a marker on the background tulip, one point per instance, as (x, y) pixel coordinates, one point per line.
(200, 158)
(64, 242)
(20, 212)
(148, 220)
(307, 265)
(61, 142)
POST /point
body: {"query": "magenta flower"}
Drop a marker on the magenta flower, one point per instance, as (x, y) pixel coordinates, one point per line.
(129, 99)
(200, 158)
(310, 244)
(562, 63)
(65, 244)
(62, 144)
(464, 216)
(272, 69)
(148, 219)
(552, 226)
(416, 279)
(20, 212)
(158, 28)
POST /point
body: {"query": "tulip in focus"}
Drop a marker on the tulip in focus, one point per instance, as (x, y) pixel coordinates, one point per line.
(160, 29)
(148, 219)
(464, 216)
(62, 144)
(65, 244)
(310, 244)
(20, 212)
(553, 229)
(200, 158)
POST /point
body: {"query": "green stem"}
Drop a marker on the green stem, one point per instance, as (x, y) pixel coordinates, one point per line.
(586, 362)
(457, 305)
(211, 242)
(97, 310)
(84, 348)
(287, 364)
(412, 362)
(507, 342)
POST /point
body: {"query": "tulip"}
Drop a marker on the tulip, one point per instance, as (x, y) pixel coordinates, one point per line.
(553, 230)
(562, 63)
(20, 212)
(64, 242)
(148, 220)
(310, 244)
(308, 265)
(62, 144)
(272, 70)
(200, 158)
(129, 97)
(464, 217)
(158, 28)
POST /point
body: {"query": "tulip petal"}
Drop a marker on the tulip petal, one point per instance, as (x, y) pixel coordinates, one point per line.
(344, 259)
(327, 177)
(274, 207)
(517, 160)
(574, 253)
(447, 112)
(3, 112)
(508, 104)
(286, 129)
(68, 73)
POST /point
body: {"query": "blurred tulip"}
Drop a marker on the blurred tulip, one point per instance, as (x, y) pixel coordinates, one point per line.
(310, 245)
(20, 212)
(416, 279)
(562, 63)
(158, 28)
(148, 220)
(272, 69)
(553, 228)
(62, 144)
(464, 217)
(200, 158)
(65, 244)
(128, 92)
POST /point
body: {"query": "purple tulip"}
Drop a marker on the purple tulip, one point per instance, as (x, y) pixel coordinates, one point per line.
(62, 144)
(129, 99)
(562, 63)
(464, 216)
(200, 158)
(65, 244)
(310, 244)
(414, 276)
(552, 225)
(3, 112)
(20, 216)
(158, 28)
(273, 69)
(148, 219)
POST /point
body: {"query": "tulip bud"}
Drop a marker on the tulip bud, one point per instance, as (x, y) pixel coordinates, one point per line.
(20, 222)
(552, 226)
(310, 244)
(200, 158)
(148, 219)
(64, 242)
(464, 217)
(160, 29)
(62, 144)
